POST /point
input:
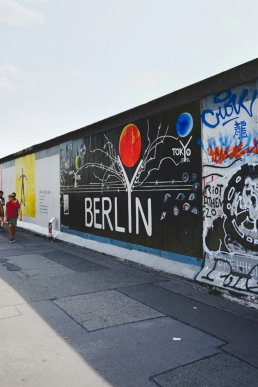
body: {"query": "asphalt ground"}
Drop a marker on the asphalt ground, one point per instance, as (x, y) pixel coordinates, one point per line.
(70, 316)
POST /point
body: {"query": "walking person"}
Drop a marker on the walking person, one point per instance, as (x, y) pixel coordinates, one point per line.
(13, 209)
(2, 204)
(15, 199)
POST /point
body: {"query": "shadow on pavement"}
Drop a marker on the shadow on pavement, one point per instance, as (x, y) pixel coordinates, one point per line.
(70, 316)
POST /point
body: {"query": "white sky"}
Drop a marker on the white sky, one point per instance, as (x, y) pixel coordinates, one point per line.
(65, 64)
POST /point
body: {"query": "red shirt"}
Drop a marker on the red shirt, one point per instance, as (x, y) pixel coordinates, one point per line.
(12, 209)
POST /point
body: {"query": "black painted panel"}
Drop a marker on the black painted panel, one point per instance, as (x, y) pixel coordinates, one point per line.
(138, 183)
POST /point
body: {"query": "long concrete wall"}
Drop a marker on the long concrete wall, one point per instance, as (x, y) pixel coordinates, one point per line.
(171, 184)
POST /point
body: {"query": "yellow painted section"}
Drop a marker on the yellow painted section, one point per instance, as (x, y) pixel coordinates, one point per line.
(25, 184)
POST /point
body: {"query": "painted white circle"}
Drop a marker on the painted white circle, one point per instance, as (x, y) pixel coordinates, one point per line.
(231, 193)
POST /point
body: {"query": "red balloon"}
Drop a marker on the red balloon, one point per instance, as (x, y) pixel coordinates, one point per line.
(130, 145)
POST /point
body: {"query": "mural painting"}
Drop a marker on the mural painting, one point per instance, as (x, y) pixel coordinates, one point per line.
(25, 184)
(230, 189)
(138, 184)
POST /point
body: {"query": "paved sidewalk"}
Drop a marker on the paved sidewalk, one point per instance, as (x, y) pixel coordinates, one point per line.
(73, 317)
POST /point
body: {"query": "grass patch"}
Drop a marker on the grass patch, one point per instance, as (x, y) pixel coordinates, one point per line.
(215, 292)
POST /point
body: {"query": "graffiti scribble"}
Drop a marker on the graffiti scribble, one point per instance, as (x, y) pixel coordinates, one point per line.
(216, 166)
(221, 153)
(221, 271)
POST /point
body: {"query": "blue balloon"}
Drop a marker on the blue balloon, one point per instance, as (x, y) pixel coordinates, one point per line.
(184, 124)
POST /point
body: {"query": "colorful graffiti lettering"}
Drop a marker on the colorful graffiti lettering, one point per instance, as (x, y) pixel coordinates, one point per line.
(228, 105)
(220, 153)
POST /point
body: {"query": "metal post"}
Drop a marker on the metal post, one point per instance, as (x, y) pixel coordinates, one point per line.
(50, 227)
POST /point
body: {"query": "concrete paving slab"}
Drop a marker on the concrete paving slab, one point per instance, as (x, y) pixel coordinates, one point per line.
(37, 248)
(7, 276)
(32, 243)
(105, 309)
(35, 265)
(8, 311)
(30, 240)
(83, 252)
(37, 356)
(96, 256)
(44, 272)
(129, 354)
(72, 261)
(130, 266)
(16, 249)
(24, 237)
(6, 247)
(5, 235)
(212, 372)
(8, 295)
(32, 261)
(201, 294)
(240, 333)
(124, 354)
(26, 240)
(50, 287)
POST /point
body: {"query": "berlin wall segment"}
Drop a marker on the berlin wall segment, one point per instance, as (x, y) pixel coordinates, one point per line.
(230, 189)
(138, 184)
(176, 177)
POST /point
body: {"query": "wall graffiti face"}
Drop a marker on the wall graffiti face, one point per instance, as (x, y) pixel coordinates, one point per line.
(230, 189)
(138, 184)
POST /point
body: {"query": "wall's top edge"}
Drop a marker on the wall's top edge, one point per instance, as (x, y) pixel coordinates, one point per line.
(219, 82)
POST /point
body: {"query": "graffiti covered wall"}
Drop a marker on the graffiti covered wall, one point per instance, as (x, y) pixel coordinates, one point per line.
(138, 184)
(230, 191)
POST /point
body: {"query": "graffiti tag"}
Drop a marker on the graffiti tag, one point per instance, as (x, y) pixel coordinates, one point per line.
(230, 279)
(227, 106)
